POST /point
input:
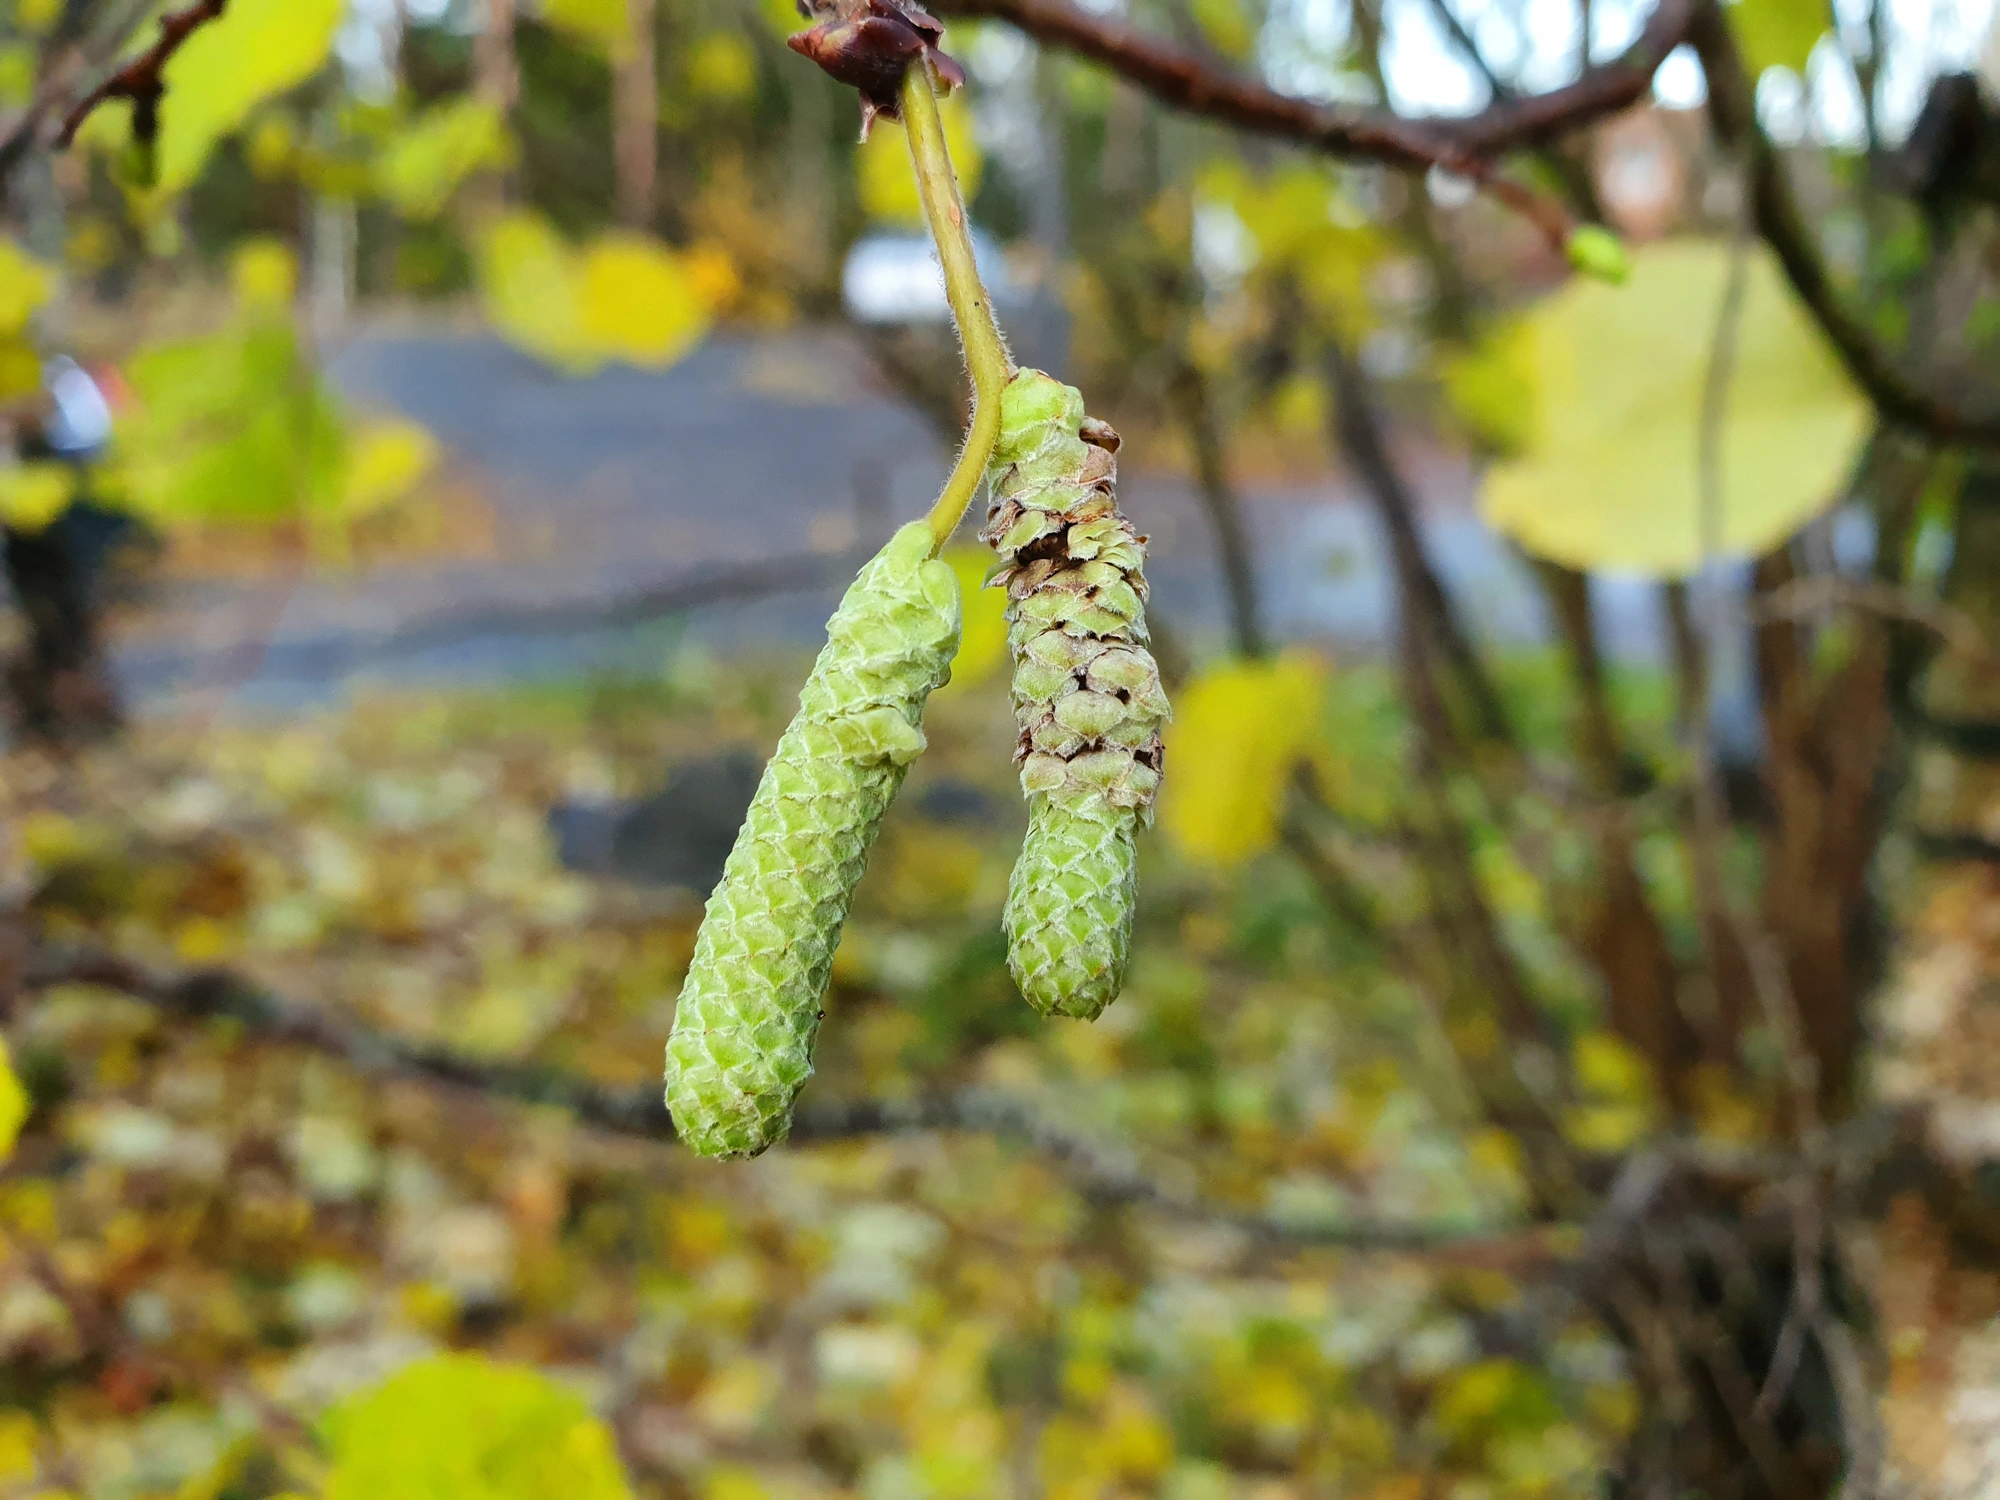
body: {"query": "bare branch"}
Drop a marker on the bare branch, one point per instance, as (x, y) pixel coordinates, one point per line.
(1184, 80)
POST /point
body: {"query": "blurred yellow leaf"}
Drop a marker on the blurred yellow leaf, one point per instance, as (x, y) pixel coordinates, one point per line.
(639, 303)
(1239, 731)
(386, 460)
(531, 290)
(1777, 33)
(258, 49)
(982, 646)
(18, 64)
(722, 66)
(1611, 478)
(1303, 228)
(25, 288)
(462, 1427)
(604, 25)
(626, 297)
(32, 495)
(1491, 388)
(420, 169)
(882, 165)
(37, 16)
(264, 275)
(1227, 25)
(14, 1103)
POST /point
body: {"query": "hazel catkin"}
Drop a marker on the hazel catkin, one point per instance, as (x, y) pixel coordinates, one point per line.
(749, 1009)
(1087, 696)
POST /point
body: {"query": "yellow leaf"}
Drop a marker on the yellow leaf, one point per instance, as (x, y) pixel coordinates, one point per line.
(1611, 478)
(882, 165)
(982, 646)
(33, 495)
(37, 16)
(25, 288)
(18, 65)
(14, 1103)
(722, 66)
(1227, 25)
(424, 164)
(386, 461)
(1777, 33)
(1609, 1068)
(603, 25)
(258, 49)
(461, 1427)
(1239, 731)
(531, 290)
(1491, 388)
(264, 274)
(639, 303)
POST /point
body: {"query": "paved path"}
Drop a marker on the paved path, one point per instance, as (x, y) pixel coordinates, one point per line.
(749, 452)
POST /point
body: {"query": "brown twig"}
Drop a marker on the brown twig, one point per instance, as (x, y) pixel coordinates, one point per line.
(141, 80)
(1184, 79)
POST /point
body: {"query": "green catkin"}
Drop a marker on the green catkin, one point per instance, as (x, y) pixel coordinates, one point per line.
(749, 1010)
(1087, 696)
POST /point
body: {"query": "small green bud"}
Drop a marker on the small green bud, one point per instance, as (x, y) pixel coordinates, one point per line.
(749, 1009)
(1594, 250)
(1087, 696)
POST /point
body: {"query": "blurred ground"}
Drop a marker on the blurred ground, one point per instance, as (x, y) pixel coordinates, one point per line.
(598, 490)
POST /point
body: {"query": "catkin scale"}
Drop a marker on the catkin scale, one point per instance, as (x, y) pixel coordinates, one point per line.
(749, 1009)
(1087, 696)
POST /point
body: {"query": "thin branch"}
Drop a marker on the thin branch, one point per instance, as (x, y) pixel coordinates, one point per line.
(1191, 393)
(142, 80)
(1896, 394)
(1184, 80)
(1807, 598)
(1103, 1175)
(1429, 607)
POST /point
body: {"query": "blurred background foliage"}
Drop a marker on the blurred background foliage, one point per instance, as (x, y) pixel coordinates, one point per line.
(1449, 937)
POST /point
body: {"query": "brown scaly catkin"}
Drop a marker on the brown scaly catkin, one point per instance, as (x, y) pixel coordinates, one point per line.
(1087, 696)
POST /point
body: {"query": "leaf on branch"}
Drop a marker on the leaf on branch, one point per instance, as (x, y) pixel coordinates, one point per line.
(462, 1427)
(1611, 476)
(1240, 730)
(257, 50)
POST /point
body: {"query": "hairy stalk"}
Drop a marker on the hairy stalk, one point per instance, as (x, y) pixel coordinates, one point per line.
(985, 349)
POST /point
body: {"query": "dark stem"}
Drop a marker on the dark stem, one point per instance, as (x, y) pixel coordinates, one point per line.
(1195, 400)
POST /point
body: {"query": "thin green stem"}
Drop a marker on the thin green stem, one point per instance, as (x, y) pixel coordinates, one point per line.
(985, 350)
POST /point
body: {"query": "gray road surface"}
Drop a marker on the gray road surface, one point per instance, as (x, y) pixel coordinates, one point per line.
(749, 452)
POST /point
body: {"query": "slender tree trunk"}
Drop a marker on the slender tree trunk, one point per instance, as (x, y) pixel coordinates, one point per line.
(635, 116)
(1191, 394)
(496, 76)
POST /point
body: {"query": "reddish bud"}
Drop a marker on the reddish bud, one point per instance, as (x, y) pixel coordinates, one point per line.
(869, 45)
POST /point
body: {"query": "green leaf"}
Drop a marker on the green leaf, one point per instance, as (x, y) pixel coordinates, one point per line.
(420, 169)
(25, 288)
(1612, 476)
(1596, 251)
(1778, 33)
(258, 49)
(461, 1427)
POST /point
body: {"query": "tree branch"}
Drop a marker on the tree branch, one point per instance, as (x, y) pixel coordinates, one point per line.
(1897, 395)
(142, 80)
(1184, 80)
